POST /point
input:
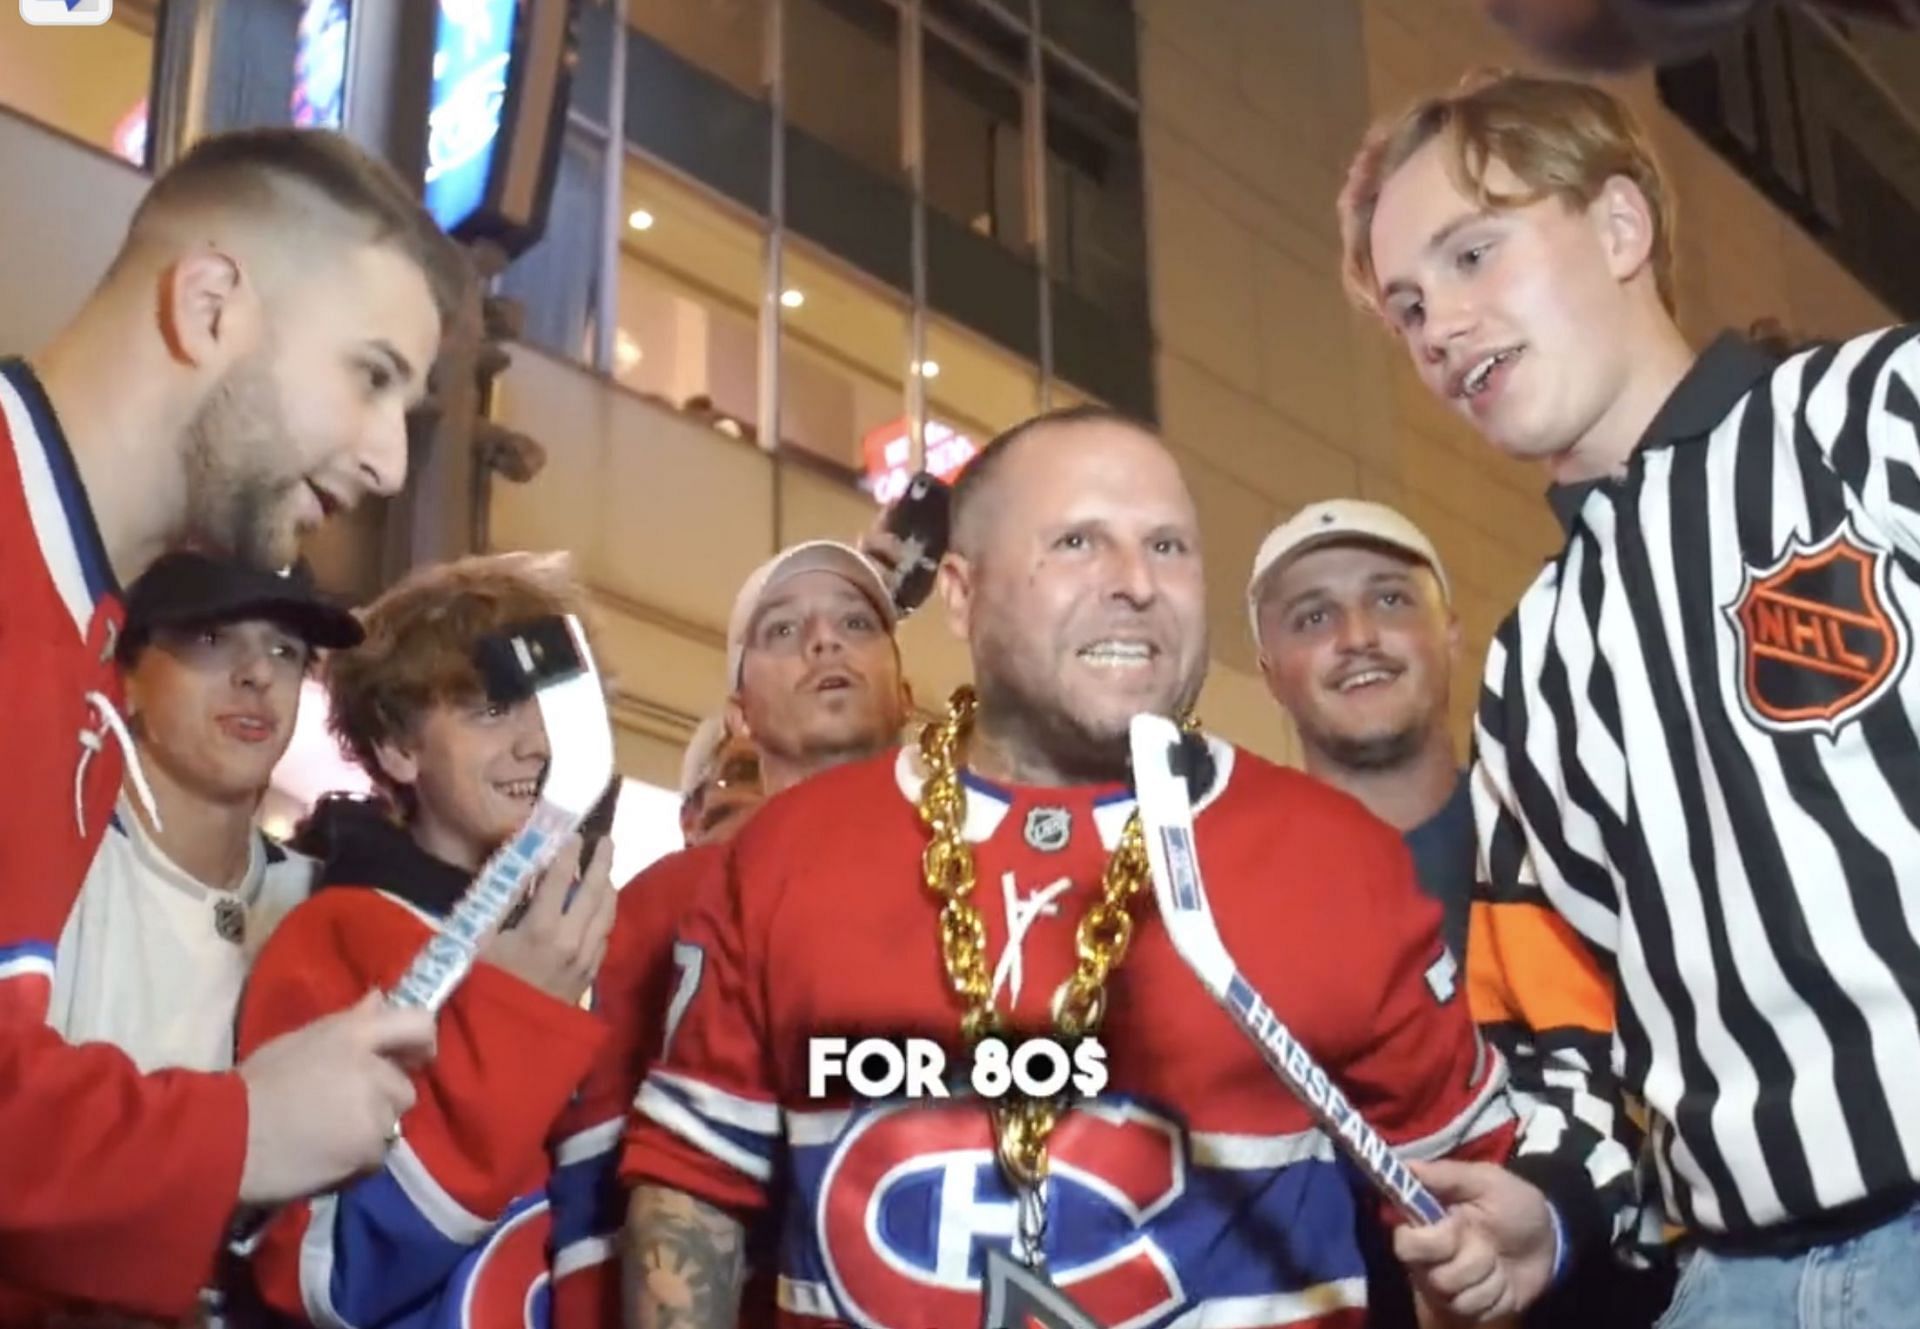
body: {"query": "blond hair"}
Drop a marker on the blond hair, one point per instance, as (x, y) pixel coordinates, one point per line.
(1561, 138)
(419, 648)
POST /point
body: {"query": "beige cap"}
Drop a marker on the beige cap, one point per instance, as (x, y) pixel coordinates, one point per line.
(702, 748)
(1338, 519)
(813, 556)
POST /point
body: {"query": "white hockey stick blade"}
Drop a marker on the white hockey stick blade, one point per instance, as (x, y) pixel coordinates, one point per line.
(1166, 817)
(579, 767)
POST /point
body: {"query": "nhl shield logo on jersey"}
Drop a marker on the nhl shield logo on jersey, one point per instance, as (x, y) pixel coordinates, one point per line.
(1819, 636)
(1049, 829)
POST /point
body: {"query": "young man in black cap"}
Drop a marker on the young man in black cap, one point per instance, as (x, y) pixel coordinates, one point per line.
(186, 886)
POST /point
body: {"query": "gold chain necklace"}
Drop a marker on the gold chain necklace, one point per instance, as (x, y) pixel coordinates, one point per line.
(1020, 1126)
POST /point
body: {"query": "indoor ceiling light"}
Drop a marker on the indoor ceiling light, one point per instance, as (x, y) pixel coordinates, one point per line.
(793, 297)
(640, 219)
(928, 369)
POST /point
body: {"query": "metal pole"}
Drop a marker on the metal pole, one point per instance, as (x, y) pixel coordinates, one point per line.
(183, 64)
(914, 158)
(1037, 220)
(613, 162)
(389, 87)
(772, 282)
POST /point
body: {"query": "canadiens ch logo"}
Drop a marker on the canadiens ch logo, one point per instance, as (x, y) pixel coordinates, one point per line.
(912, 1197)
(1820, 638)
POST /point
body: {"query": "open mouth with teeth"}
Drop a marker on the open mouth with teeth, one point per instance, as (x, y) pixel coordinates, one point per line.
(521, 791)
(1119, 654)
(1364, 679)
(1480, 374)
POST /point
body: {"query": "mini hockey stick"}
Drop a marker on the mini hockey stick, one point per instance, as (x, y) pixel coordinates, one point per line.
(547, 661)
(1162, 760)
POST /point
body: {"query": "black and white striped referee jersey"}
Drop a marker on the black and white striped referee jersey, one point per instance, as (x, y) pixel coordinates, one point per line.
(1697, 788)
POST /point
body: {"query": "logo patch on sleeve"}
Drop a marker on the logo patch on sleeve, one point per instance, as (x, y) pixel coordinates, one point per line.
(1819, 637)
(1443, 977)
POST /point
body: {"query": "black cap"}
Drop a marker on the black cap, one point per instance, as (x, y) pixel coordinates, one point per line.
(192, 590)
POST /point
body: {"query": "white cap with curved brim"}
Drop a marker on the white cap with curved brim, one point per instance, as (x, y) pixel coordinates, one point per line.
(1339, 520)
(702, 748)
(812, 556)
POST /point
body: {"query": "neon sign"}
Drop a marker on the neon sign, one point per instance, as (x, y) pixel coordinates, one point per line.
(888, 453)
(472, 57)
(320, 65)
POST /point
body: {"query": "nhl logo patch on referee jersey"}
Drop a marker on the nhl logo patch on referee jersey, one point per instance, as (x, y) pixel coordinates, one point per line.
(1820, 637)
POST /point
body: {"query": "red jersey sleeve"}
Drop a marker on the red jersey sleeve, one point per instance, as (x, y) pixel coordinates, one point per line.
(1419, 1072)
(508, 1060)
(119, 1185)
(630, 997)
(115, 1187)
(707, 1120)
(637, 984)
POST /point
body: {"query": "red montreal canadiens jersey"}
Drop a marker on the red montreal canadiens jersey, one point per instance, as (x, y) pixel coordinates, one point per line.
(115, 1187)
(639, 991)
(635, 987)
(1195, 1189)
(496, 1207)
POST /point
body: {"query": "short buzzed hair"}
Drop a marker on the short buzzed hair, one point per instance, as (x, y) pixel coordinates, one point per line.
(278, 175)
(974, 485)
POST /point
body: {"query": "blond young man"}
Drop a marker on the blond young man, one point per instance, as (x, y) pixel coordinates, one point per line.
(1696, 744)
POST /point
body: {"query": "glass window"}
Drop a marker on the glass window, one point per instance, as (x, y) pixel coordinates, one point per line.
(90, 82)
(1100, 32)
(689, 297)
(554, 281)
(1096, 228)
(842, 362)
(256, 44)
(975, 145)
(843, 78)
(973, 385)
(723, 37)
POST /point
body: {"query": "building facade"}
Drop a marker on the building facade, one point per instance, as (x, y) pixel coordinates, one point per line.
(895, 227)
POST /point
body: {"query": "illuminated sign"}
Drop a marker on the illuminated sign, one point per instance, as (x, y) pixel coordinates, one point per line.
(130, 135)
(320, 65)
(472, 57)
(888, 453)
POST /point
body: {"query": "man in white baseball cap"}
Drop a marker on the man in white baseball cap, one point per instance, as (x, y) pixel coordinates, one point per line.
(813, 673)
(813, 681)
(1352, 613)
(719, 782)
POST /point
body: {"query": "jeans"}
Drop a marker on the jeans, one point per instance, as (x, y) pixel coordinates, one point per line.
(1871, 1281)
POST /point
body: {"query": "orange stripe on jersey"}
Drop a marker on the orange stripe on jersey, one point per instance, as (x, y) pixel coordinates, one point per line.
(1525, 963)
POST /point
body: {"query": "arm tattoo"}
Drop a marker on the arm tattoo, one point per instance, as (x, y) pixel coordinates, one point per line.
(683, 1262)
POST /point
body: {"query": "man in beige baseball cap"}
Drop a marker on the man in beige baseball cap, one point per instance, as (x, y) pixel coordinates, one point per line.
(1352, 613)
(719, 782)
(813, 672)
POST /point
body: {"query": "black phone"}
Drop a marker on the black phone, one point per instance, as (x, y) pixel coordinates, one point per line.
(922, 520)
(599, 822)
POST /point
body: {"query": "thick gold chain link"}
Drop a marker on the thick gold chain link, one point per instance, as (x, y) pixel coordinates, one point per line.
(1021, 1126)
